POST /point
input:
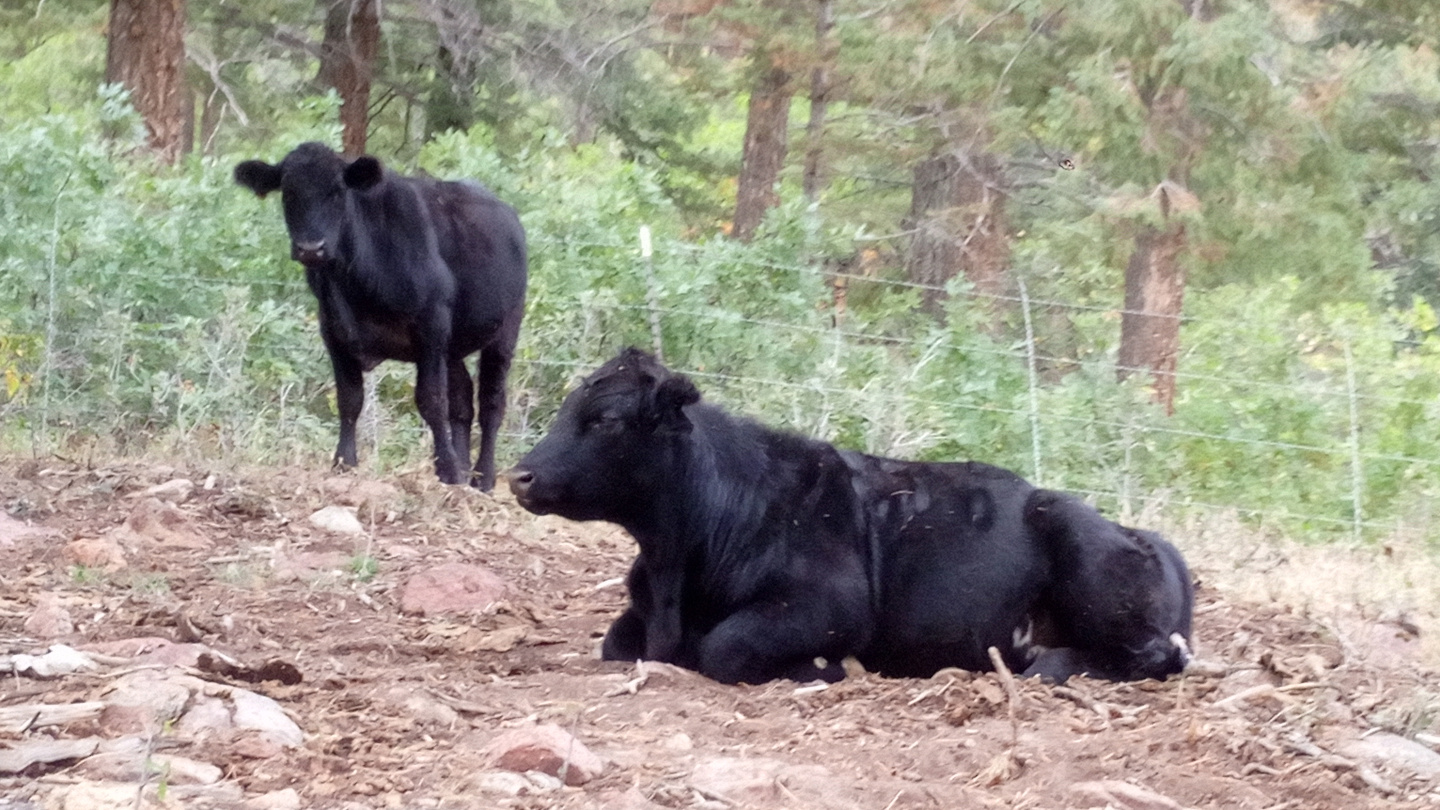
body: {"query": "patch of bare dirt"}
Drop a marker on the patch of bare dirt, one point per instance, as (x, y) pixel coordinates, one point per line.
(192, 614)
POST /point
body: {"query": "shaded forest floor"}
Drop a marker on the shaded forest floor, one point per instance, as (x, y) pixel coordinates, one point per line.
(221, 587)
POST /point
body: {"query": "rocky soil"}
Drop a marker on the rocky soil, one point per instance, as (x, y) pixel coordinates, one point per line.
(272, 640)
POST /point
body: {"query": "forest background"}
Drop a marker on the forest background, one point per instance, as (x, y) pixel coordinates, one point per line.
(1175, 255)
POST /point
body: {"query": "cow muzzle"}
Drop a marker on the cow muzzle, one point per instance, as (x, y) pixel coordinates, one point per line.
(520, 482)
(309, 253)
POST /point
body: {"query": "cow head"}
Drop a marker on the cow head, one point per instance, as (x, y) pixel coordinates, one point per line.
(313, 181)
(617, 438)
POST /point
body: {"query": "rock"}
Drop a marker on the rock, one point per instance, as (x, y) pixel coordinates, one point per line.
(154, 522)
(142, 702)
(423, 709)
(254, 745)
(739, 781)
(1393, 752)
(503, 783)
(546, 748)
(452, 588)
(14, 531)
(338, 519)
(631, 799)
(49, 619)
(286, 799)
(58, 660)
(126, 647)
(96, 796)
(95, 552)
(360, 493)
(139, 763)
(207, 717)
(176, 491)
(1112, 793)
(309, 565)
(259, 713)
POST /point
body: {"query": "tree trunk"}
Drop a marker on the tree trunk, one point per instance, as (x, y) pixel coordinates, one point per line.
(347, 62)
(766, 129)
(1154, 297)
(146, 54)
(957, 214)
(819, 90)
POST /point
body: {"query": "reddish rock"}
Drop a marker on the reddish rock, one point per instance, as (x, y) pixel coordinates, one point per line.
(452, 588)
(95, 552)
(547, 749)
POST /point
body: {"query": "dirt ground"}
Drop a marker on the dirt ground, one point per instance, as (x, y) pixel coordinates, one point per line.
(399, 710)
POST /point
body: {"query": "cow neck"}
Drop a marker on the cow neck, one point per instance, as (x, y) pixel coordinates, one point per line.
(717, 499)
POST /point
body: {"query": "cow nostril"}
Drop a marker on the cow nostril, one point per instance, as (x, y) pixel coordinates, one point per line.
(520, 481)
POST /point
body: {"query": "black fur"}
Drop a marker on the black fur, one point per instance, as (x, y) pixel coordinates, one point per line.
(413, 269)
(768, 555)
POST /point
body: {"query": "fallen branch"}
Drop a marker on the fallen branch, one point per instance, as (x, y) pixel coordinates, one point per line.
(20, 719)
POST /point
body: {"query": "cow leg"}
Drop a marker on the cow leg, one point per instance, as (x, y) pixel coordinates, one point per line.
(791, 638)
(625, 640)
(349, 400)
(490, 376)
(462, 410)
(431, 401)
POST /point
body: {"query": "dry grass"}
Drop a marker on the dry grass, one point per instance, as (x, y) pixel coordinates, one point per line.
(1393, 580)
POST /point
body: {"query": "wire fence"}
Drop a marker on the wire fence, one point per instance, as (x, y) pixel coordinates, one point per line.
(1322, 427)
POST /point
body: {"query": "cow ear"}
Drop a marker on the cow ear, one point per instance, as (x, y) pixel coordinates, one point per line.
(258, 176)
(671, 396)
(363, 173)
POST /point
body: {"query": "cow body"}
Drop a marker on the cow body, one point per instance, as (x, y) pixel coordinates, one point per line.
(766, 555)
(413, 269)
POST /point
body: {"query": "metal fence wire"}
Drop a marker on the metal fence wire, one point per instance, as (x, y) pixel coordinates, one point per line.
(1301, 428)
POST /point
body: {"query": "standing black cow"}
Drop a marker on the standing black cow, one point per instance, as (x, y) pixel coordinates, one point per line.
(413, 269)
(766, 555)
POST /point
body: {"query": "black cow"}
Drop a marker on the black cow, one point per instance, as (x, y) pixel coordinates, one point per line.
(413, 269)
(765, 555)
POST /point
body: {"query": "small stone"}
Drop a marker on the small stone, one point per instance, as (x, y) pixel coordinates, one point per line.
(176, 490)
(422, 708)
(338, 519)
(548, 749)
(451, 588)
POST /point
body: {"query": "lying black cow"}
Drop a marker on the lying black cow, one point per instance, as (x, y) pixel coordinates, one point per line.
(413, 269)
(766, 555)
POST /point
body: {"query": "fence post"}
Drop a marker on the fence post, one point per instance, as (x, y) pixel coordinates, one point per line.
(41, 442)
(652, 292)
(1034, 385)
(370, 418)
(1357, 470)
